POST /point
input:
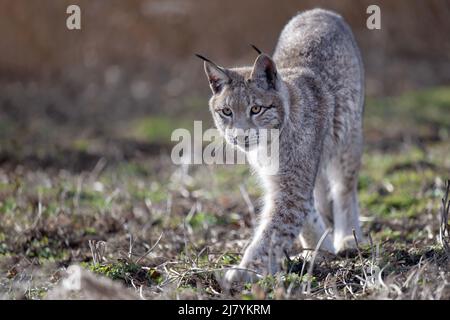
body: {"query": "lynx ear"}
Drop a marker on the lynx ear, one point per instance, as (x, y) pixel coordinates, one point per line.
(265, 72)
(217, 76)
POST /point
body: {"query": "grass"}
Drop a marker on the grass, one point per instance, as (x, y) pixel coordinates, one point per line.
(157, 128)
(170, 232)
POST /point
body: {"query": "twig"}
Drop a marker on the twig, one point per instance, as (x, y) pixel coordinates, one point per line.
(151, 249)
(359, 254)
(444, 233)
(130, 247)
(98, 249)
(39, 213)
(101, 164)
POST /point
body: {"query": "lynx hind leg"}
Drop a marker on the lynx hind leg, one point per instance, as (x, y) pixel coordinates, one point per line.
(343, 182)
(322, 198)
(312, 231)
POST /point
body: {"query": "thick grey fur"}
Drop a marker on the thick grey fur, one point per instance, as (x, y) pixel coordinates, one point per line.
(315, 80)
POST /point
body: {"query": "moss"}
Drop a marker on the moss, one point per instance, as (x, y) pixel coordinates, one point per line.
(155, 276)
(388, 234)
(229, 259)
(81, 144)
(89, 198)
(156, 195)
(127, 271)
(46, 249)
(90, 231)
(201, 219)
(8, 205)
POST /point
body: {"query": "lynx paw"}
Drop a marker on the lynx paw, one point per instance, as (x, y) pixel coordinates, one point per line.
(348, 243)
(240, 276)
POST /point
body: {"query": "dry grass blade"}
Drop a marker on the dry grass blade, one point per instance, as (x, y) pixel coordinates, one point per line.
(151, 249)
(98, 249)
(314, 256)
(359, 254)
(444, 233)
(39, 213)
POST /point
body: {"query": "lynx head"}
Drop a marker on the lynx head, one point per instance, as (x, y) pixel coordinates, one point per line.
(247, 100)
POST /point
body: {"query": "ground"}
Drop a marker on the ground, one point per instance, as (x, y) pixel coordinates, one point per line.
(119, 207)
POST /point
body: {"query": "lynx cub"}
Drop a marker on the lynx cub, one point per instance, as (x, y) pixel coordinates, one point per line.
(312, 90)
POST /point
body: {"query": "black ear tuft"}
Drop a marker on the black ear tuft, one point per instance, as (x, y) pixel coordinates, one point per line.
(203, 58)
(217, 76)
(256, 49)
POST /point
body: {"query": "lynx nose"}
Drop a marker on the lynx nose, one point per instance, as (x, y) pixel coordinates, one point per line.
(240, 139)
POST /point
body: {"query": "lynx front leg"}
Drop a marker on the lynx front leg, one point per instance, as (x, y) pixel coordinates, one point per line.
(313, 231)
(275, 237)
(272, 240)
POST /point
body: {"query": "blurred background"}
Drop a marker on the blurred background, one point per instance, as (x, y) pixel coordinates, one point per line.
(135, 59)
(86, 118)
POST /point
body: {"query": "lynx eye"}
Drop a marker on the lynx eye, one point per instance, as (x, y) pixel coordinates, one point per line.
(227, 111)
(255, 109)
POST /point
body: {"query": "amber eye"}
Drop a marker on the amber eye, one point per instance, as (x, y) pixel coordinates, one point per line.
(255, 109)
(227, 111)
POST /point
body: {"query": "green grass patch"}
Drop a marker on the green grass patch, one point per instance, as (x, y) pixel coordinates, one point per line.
(158, 128)
(126, 271)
